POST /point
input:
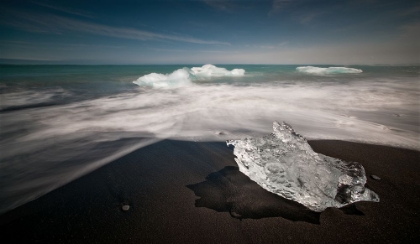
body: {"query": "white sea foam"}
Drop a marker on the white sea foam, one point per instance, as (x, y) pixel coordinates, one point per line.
(327, 71)
(197, 112)
(75, 138)
(30, 98)
(185, 76)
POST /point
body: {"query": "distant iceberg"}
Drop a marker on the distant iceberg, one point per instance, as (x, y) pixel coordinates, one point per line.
(179, 77)
(209, 70)
(285, 164)
(182, 77)
(327, 71)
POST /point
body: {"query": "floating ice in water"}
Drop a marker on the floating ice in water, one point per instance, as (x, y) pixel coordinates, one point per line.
(284, 163)
(177, 78)
(327, 71)
(209, 70)
(182, 77)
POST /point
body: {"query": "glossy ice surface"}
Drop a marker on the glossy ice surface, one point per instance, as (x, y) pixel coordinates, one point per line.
(284, 163)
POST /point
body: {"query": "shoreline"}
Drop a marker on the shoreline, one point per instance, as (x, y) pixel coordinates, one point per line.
(184, 192)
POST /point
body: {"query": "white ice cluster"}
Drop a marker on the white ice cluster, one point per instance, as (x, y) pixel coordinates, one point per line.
(182, 77)
(327, 71)
(179, 77)
(285, 164)
(209, 70)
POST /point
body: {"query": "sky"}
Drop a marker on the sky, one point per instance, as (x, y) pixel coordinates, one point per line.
(210, 31)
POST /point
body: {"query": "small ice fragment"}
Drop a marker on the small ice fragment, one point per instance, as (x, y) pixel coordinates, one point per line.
(375, 177)
(285, 164)
(125, 207)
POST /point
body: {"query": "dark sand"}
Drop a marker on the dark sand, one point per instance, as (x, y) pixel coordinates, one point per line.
(187, 192)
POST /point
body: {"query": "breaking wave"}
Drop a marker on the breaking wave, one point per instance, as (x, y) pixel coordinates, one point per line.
(185, 76)
(327, 71)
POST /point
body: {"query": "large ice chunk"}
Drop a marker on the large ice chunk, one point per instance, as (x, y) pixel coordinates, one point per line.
(177, 78)
(209, 70)
(185, 76)
(327, 71)
(284, 163)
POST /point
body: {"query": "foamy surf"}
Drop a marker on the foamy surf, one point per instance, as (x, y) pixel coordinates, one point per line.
(44, 147)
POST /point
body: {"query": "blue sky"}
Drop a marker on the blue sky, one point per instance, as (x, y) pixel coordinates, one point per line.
(210, 31)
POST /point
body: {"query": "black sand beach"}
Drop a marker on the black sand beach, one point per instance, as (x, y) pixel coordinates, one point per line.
(189, 192)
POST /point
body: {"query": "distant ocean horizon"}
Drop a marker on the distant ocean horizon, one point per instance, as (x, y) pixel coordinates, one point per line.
(59, 122)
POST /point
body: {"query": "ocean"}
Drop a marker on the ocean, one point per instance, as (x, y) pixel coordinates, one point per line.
(59, 122)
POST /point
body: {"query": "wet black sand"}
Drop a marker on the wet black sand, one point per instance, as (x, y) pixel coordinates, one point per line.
(188, 192)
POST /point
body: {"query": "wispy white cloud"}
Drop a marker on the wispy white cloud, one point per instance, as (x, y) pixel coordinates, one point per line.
(56, 24)
(191, 51)
(65, 10)
(410, 12)
(340, 54)
(282, 43)
(49, 45)
(270, 46)
(305, 19)
(282, 5)
(411, 33)
(278, 5)
(221, 5)
(267, 46)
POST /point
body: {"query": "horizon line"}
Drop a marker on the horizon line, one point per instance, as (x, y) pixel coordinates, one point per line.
(140, 64)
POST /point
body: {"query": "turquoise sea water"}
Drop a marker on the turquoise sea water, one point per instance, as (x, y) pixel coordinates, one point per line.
(60, 122)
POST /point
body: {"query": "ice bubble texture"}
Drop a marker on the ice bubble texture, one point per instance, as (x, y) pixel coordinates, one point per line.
(285, 164)
(327, 71)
